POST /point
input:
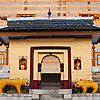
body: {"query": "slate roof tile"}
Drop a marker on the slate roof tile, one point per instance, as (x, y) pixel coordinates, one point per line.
(54, 23)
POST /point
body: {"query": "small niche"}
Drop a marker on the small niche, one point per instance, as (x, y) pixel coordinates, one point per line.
(77, 64)
(23, 63)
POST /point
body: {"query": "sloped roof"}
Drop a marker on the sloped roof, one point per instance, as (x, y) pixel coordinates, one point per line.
(35, 23)
(59, 23)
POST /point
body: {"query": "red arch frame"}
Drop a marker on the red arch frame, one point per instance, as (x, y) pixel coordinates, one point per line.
(33, 83)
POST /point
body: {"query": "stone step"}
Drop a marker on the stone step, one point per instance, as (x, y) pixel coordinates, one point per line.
(51, 97)
(96, 73)
(50, 83)
(96, 80)
(50, 87)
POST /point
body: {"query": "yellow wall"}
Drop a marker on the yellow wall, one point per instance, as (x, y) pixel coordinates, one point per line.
(80, 47)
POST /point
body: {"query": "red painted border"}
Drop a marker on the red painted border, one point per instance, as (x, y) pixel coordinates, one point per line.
(62, 84)
(39, 84)
(31, 67)
(67, 83)
(69, 68)
(34, 83)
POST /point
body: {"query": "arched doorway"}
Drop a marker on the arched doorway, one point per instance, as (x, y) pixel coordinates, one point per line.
(50, 72)
(38, 54)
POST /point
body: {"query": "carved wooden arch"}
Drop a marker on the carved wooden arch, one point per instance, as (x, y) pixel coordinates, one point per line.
(50, 54)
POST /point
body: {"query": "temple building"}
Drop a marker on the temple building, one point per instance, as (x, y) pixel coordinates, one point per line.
(50, 51)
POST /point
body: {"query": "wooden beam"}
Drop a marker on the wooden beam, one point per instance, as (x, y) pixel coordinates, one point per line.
(96, 52)
(59, 7)
(25, 4)
(49, 32)
(35, 11)
(82, 12)
(2, 52)
(98, 64)
(97, 46)
(81, 0)
(64, 8)
(93, 61)
(2, 63)
(7, 54)
(85, 6)
(78, 0)
(3, 23)
(54, 0)
(4, 47)
(96, 58)
(30, 5)
(3, 58)
(89, 7)
(28, 0)
(0, 43)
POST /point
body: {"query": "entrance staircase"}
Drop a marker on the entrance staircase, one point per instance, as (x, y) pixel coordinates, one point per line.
(57, 94)
(50, 81)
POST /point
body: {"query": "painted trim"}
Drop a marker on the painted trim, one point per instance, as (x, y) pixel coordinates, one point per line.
(31, 67)
(62, 84)
(38, 84)
(34, 83)
(69, 68)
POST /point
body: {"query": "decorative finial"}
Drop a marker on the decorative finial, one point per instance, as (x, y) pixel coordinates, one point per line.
(49, 13)
(50, 53)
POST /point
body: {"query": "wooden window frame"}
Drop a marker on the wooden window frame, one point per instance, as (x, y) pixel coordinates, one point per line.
(2, 59)
(98, 64)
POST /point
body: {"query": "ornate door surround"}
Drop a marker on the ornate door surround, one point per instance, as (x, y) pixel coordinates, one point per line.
(34, 84)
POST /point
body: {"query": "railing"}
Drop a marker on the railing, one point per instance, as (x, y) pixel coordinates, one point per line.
(4, 59)
(57, 7)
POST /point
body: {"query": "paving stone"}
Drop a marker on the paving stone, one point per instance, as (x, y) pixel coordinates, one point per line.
(59, 91)
(35, 96)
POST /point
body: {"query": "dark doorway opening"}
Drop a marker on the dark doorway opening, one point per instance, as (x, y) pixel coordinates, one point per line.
(50, 81)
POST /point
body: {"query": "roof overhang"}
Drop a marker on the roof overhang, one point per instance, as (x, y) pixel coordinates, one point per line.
(5, 39)
(95, 39)
(86, 28)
